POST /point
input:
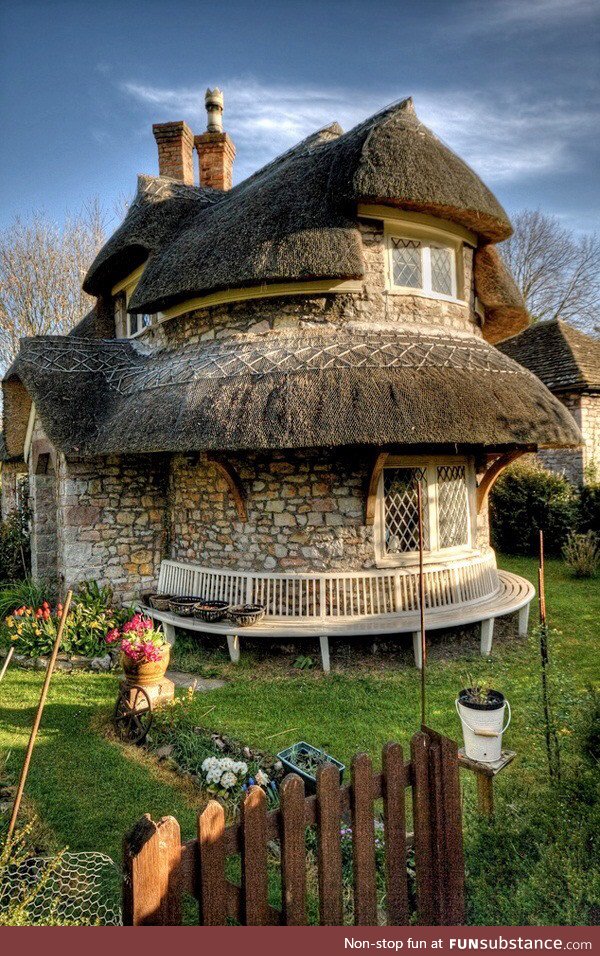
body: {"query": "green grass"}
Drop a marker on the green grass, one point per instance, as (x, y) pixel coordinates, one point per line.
(89, 790)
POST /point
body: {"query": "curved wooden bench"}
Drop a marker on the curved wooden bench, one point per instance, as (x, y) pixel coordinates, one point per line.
(514, 594)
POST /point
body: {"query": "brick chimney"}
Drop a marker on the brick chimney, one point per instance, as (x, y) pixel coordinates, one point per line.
(175, 143)
(216, 151)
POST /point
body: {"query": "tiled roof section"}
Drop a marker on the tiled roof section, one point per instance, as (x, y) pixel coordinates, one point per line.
(559, 354)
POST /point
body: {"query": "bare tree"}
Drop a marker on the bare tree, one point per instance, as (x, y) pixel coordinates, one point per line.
(42, 266)
(557, 271)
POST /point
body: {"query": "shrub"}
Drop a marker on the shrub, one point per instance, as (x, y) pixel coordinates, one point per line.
(582, 555)
(15, 558)
(527, 498)
(589, 508)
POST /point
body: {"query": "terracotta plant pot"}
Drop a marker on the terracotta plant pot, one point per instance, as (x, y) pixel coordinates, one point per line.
(145, 673)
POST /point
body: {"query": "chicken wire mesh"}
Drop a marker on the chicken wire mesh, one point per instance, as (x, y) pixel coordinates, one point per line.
(76, 888)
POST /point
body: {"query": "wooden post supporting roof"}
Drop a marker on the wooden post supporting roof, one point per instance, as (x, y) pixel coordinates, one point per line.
(371, 502)
(492, 474)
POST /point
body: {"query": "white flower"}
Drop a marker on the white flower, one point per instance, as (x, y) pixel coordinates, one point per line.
(261, 778)
(228, 780)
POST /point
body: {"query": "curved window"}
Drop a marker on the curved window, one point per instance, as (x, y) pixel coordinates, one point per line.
(428, 267)
(447, 493)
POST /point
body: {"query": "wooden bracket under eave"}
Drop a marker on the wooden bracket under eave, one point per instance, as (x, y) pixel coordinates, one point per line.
(490, 477)
(371, 502)
(234, 484)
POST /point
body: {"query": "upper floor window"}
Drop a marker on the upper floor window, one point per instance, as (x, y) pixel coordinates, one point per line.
(447, 491)
(422, 265)
(128, 324)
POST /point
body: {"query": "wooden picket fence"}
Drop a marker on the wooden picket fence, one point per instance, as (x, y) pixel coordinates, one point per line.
(159, 870)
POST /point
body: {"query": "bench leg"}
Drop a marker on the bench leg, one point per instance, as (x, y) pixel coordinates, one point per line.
(233, 644)
(417, 649)
(169, 632)
(487, 634)
(324, 642)
(524, 620)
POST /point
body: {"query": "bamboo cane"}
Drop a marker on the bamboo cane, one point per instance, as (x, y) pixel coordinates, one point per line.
(38, 717)
(551, 738)
(11, 651)
(422, 603)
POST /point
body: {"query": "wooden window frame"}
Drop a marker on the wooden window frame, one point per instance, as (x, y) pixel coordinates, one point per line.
(430, 463)
(428, 237)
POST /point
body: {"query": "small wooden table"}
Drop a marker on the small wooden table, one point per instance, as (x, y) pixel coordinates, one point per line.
(485, 773)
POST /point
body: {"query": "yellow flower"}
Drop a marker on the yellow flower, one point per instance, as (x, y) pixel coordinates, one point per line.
(10, 621)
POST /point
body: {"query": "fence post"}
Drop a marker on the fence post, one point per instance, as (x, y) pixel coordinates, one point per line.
(254, 859)
(438, 830)
(151, 859)
(212, 883)
(293, 851)
(363, 842)
(394, 821)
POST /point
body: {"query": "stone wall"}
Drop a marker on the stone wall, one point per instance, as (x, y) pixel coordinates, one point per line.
(305, 512)
(374, 305)
(566, 461)
(590, 426)
(112, 519)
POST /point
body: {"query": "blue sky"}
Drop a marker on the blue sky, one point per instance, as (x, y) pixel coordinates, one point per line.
(511, 85)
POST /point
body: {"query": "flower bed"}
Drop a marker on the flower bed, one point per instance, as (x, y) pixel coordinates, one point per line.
(222, 768)
(32, 627)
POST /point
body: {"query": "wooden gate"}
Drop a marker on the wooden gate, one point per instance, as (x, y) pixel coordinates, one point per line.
(160, 870)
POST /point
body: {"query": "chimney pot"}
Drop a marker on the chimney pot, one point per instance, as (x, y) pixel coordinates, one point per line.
(216, 152)
(213, 101)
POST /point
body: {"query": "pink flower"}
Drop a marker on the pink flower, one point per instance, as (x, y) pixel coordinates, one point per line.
(113, 635)
(137, 625)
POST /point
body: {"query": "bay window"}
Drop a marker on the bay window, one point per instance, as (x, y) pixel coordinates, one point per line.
(448, 489)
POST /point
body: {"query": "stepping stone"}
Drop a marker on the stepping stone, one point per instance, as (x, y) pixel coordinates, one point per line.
(180, 679)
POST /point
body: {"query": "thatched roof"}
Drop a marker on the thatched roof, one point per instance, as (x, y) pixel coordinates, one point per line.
(295, 218)
(564, 358)
(355, 387)
(505, 310)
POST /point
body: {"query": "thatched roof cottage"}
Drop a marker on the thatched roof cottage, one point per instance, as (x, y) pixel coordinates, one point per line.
(269, 372)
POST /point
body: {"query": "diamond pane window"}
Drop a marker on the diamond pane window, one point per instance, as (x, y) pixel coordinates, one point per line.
(441, 270)
(453, 506)
(401, 512)
(407, 263)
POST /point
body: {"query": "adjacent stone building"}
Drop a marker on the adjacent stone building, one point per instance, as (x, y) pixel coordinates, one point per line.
(272, 370)
(568, 363)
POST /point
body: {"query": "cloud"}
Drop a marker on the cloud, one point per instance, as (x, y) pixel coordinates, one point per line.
(504, 138)
(517, 14)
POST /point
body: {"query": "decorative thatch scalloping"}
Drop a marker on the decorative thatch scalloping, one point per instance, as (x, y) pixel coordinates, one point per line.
(296, 218)
(563, 357)
(298, 391)
(505, 310)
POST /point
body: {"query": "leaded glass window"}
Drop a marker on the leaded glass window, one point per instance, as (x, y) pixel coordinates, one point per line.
(446, 502)
(426, 266)
(401, 509)
(453, 506)
(441, 270)
(407, 264)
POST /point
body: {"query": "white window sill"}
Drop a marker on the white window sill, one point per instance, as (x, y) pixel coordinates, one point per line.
(422, 294)
(410, 559)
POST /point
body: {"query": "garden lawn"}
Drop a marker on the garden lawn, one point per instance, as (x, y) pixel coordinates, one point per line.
(89, 790)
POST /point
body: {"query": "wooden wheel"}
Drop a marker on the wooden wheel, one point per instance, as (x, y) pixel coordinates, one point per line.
(133, 714)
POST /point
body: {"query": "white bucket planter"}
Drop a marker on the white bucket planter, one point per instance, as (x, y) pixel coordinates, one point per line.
(483, 725)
